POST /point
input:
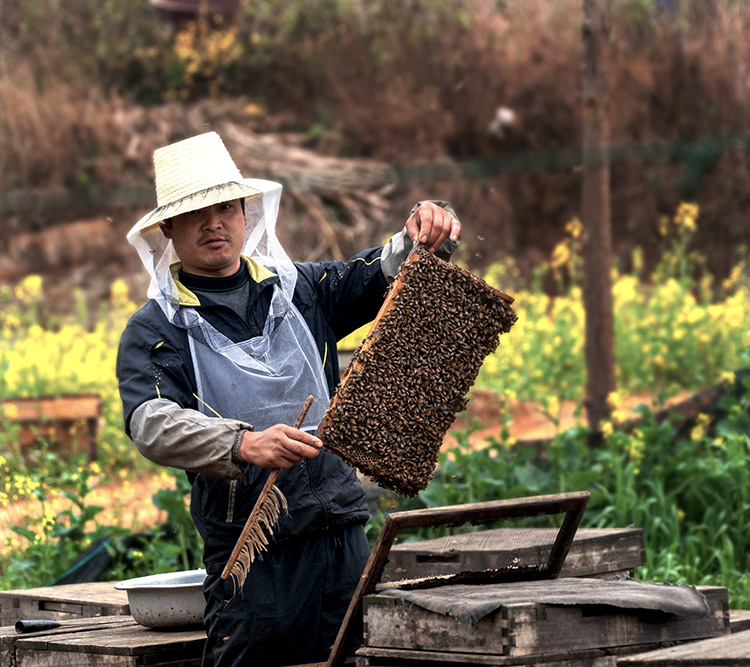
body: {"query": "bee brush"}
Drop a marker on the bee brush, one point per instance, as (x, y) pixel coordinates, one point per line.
(262, 519)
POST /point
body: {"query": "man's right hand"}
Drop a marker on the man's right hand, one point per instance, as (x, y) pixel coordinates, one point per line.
(279, 446)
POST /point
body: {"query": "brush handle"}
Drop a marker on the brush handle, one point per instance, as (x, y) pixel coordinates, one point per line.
(251, 520)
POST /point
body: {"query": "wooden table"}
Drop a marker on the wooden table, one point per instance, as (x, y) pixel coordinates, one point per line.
(115, 641)
(61, 603)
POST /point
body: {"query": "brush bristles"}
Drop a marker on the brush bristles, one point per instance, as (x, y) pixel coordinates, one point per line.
(268, 516)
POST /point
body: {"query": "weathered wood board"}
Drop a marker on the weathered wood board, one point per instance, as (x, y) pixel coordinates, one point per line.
(530, 628)
(9, 636)
(380, 657)
(68, 424)
(112, 641)
(733, 649)
(739, 620)
(594, 552)
(58, 603)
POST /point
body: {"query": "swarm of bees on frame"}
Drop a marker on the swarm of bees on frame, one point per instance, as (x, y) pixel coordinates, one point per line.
(411, 375)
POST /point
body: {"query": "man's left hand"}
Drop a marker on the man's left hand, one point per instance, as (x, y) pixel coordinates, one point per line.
(432, 225)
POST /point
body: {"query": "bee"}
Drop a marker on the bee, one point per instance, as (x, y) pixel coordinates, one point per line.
(412, 374)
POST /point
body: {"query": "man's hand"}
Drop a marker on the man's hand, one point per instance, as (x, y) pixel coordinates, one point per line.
(279, 446)
(432, 225)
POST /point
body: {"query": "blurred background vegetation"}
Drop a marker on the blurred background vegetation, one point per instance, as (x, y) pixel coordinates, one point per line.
(475, 101)
(89, 90)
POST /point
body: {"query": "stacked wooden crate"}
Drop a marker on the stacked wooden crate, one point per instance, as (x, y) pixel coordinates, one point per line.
(581, 619)
(534, 623)
(594, 552)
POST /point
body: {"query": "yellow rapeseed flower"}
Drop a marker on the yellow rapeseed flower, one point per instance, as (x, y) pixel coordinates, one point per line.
(560, 255)
(701, 426)
(10, 411)
(574, 228)
(663, 225)
(619, 415)
(732, 279)
(728, 376)
(636, 449)
(684, 218)
(614, 400)
(29, 288)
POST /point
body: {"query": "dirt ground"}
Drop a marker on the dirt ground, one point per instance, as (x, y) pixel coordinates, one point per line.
(125, 503)
(528, 421)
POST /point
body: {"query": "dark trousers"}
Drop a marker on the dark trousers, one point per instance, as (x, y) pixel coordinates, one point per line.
(292, 604)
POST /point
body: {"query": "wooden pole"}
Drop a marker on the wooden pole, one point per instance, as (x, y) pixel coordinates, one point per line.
(597, 234)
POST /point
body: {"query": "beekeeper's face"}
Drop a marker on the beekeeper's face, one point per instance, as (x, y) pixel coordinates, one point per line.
(209, 241)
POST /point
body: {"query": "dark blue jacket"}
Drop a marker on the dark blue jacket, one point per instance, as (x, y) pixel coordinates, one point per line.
(335, 298)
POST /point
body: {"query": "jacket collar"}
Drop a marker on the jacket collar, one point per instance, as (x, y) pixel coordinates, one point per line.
(258, 274)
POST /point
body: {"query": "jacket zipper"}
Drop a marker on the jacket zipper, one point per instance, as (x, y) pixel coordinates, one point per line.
(230, 500)
(308, 465)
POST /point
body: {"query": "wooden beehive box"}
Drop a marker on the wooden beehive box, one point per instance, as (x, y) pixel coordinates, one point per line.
(67, 424)
(594, 552)
(537, 622)
(411, 375)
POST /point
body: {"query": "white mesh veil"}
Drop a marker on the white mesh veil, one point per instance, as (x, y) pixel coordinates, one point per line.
(273, 374)
(157, 252)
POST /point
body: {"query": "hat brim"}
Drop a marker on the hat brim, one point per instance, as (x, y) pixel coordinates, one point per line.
(208, 197)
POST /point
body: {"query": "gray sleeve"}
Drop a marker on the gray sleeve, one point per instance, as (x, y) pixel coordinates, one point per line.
(187, 439)
(399, 245)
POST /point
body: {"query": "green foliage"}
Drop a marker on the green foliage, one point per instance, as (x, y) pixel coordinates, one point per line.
(53, 537)
(61, 524)
(171, 547)
(686, 485)
(676, 329)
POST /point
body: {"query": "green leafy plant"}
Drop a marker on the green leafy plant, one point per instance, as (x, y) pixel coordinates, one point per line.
(56, 533)
(687, 485)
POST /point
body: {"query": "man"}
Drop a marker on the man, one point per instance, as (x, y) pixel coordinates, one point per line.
(214, 370)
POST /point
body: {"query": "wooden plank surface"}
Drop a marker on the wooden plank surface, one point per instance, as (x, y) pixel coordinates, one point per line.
(739, 620)
(593, 552)
(732, 649)
(63, 602)
(46, 408)
(529, 628)
(115, 641)
(47, 659)
(126, 639)
(380, 657)
(9, 637)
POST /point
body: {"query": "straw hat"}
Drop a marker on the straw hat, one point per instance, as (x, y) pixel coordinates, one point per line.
(192, 174)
